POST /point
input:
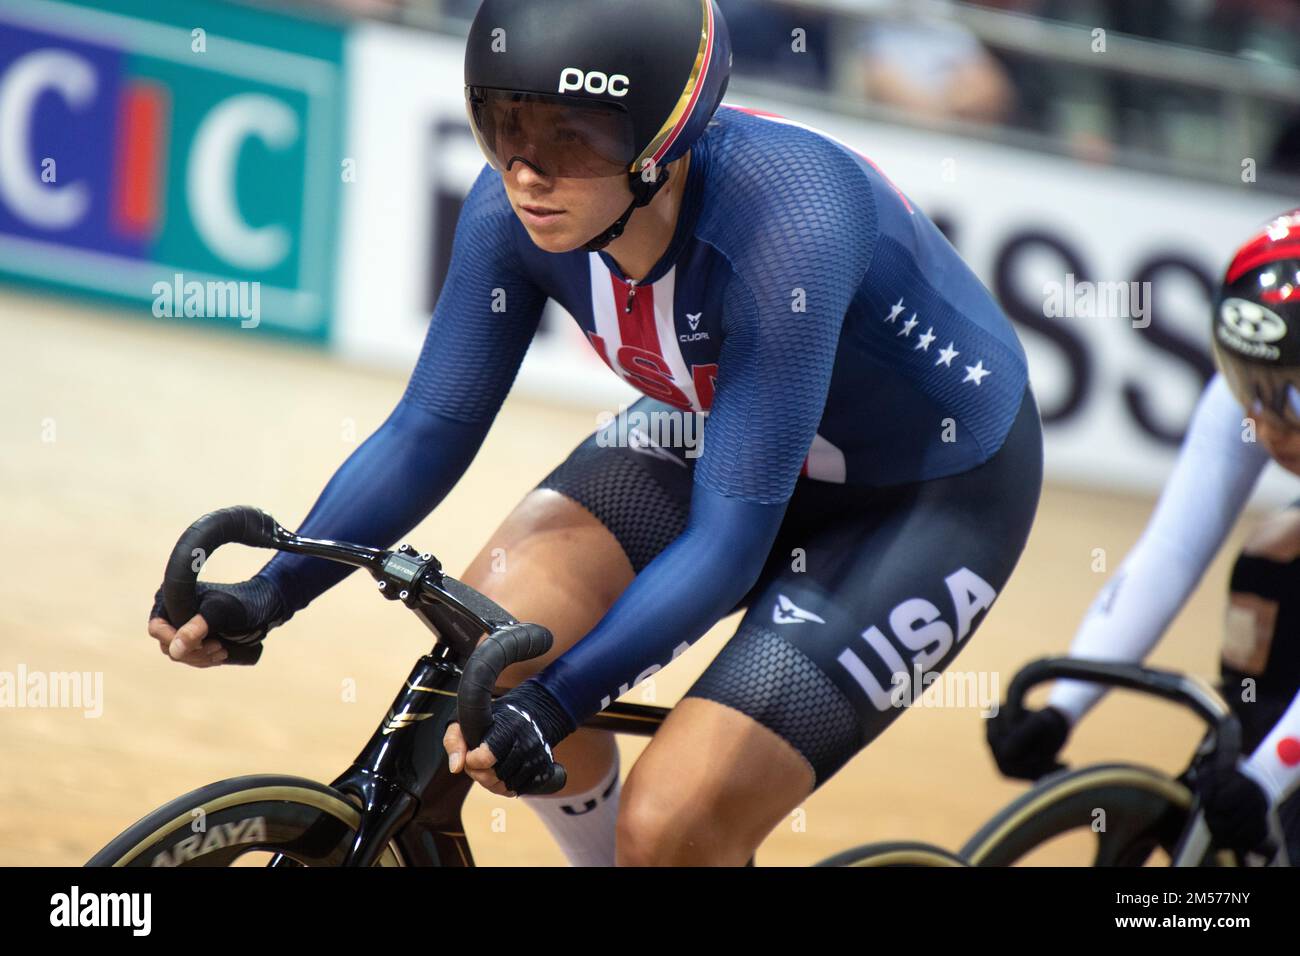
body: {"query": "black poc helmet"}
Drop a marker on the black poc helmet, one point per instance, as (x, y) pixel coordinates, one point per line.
(591, 88)
(1256, 329)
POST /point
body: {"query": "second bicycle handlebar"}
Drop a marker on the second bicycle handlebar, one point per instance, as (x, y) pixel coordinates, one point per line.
(1172, 686)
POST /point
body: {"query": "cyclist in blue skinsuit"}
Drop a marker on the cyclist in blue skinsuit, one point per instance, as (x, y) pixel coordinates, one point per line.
(871, 459)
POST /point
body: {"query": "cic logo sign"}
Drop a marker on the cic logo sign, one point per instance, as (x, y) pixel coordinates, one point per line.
(128, 155)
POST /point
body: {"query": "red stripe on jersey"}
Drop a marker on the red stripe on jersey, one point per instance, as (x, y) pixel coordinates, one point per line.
(636, 328)
(598, 344)
(639, 355)
(705, 379)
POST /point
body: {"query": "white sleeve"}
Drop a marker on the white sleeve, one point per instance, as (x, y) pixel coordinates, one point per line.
(1211, 482)
(1276, 761)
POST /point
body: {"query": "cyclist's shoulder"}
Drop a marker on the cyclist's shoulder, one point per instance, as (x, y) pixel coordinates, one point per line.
(760, 141)
(775, 188)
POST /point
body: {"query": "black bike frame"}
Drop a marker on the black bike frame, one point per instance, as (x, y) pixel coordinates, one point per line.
(400, 780)
(407, 794)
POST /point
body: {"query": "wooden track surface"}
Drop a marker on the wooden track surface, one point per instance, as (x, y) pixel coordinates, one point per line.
(154, 424)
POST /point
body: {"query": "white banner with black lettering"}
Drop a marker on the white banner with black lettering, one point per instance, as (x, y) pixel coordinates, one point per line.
(1107, 272)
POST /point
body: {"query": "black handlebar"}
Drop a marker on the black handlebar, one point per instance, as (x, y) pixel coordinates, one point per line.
(456, 612)
(238, 525)
(508, 645)
(1179, 688)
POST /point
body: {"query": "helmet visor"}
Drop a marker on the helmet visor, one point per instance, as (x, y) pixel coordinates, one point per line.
(557, 136)
(1275, 390)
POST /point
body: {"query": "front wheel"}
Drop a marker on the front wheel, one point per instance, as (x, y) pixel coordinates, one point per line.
(897, 853)
(1130, 811)
(297, 821)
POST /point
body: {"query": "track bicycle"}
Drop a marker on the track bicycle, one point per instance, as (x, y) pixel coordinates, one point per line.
(1145, 810)
(398, 804)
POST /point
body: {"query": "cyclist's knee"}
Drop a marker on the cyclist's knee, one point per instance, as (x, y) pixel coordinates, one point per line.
(1257, 665)
(1276, 538)
(639, 834)
(657, 829)
(651, 832)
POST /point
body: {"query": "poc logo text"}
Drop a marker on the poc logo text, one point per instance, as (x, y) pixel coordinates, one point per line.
(573, 79)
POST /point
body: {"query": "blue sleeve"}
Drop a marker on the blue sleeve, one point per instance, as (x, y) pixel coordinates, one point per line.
(797, 262)
(481, 328)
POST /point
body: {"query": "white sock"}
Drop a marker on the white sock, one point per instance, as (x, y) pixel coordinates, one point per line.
(583, 823)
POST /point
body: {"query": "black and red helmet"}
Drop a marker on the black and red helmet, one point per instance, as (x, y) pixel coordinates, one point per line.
(1256, 325)
(595, 88)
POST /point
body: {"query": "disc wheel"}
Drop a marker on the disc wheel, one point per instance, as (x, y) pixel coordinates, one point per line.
(297, 821)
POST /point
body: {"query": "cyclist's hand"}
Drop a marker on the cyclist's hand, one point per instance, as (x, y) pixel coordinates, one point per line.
(478, 763)
(1236, 808)
(1026, 747)
(516, 755)
(242, 613)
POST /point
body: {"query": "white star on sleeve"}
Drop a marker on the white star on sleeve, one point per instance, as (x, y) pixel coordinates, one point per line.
(895, 311)
(975, 373)
(909, 325)
(923, 343)
(947, 355)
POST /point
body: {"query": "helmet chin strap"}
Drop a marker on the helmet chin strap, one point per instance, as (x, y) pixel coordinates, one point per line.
(642, 192)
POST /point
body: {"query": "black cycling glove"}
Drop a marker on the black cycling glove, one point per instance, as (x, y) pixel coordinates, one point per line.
(527, 722)
(1026, 747)
(1236, 808)
(241, 613)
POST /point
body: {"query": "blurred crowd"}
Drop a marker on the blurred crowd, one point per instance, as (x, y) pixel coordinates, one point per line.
(914, 55)
(917, 57)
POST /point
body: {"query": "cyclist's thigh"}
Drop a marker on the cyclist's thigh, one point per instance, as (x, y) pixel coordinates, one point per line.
(572, 546)
(896, 587)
